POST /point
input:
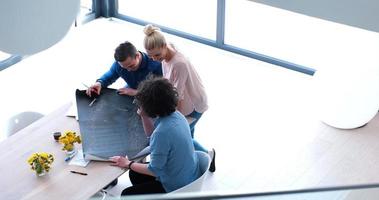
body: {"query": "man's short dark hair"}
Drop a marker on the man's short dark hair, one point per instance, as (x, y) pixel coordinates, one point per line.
(157, 97)
(125, 50)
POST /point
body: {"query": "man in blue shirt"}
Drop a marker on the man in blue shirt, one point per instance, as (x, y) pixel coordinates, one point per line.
(131, 65)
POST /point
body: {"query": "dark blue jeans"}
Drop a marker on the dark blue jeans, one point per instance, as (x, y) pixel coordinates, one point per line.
(196, 116)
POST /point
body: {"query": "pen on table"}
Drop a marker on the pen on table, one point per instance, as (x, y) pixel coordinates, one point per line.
(69, 157)
(81, 173)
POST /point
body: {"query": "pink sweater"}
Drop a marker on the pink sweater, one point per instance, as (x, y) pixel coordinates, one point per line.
(184, 77)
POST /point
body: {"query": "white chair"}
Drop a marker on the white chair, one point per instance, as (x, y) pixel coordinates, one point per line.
(197, 184)
(20, 121)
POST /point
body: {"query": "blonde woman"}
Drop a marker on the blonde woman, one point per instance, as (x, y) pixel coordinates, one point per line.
(182, 74)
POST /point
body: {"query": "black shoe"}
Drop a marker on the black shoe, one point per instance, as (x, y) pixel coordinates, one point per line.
(212, 167)
(113, 183)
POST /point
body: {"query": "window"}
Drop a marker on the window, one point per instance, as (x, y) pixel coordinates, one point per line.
(85, 7)
(205, 24)
(290, 36)
(277, 36)
(197, 17)
(86, 12)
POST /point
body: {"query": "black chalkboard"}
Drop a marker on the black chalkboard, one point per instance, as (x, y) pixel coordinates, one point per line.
(110, 126)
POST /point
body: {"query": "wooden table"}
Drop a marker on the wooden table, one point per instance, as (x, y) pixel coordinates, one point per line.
(18, 181)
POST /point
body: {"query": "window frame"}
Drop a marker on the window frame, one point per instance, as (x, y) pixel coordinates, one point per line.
(112, 6)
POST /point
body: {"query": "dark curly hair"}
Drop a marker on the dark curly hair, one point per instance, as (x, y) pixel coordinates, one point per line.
(124, 51)
(157, 97)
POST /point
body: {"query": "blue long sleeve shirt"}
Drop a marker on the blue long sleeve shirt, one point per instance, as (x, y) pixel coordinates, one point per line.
(132, 78)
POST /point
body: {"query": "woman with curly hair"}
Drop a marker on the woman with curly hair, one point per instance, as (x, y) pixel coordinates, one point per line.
(173, 162)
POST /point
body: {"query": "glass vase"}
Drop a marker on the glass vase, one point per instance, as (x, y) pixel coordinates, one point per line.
(40, 171)
(70, 151)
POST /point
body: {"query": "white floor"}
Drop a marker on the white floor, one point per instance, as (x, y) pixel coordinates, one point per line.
(262, 121)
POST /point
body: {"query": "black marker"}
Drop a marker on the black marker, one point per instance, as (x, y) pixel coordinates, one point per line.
(81, 173)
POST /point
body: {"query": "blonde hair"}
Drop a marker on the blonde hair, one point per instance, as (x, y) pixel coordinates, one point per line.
(153, 37)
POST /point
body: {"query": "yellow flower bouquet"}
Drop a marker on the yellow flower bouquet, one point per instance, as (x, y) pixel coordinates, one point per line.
(40, 162)
(68, 139)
